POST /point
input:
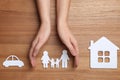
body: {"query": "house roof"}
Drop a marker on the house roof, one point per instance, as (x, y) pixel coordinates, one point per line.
(103, 43)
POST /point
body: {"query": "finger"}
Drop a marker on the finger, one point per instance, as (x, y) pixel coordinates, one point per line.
(76, 51)
(75, 45)
(76, 61)
(32, 59)
(71, 49)
(37, 47)
(35, 43)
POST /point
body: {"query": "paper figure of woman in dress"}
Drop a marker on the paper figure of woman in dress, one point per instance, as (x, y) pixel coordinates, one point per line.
(45, 59)
(64, 58)
(52, 63)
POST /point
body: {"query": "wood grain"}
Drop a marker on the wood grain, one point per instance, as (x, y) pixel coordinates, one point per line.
(88, 19)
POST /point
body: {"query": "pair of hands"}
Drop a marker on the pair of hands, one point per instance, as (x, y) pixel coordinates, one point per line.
(66, 37)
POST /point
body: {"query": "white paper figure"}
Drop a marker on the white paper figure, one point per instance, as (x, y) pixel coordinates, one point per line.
(45, 59)
(64, 59)
(103, 54)
(57, 63)
(13, 60)
(52, 63)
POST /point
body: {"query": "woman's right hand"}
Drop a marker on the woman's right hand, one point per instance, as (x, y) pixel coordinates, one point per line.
(38, 42)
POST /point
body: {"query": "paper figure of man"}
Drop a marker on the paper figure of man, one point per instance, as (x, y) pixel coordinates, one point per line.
(64, 58)
(45, 59)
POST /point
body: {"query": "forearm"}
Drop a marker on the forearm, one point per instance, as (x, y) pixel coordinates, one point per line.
(62, 10)
(44, 31)
(44, 10)
(62, 26)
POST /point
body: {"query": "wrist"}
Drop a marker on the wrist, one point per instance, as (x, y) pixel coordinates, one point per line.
(46, 22)
(45, 25)
(62, 23)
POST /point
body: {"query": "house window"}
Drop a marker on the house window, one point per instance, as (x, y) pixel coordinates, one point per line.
(107, 59)
(100, 53)
(107, 53)
(100, 59)
(103, 56)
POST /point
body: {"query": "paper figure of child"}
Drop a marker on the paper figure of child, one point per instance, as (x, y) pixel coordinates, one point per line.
(45, 59)
(52, 63)
(64, 59)
(57, 63)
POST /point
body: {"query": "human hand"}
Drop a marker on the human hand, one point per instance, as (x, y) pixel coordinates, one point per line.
(41, 38)
(68, 39)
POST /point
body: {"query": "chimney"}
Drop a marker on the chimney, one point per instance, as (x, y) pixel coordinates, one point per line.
(91, 42)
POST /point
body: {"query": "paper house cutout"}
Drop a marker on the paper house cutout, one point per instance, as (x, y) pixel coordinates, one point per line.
(103, 54)
(13, 60)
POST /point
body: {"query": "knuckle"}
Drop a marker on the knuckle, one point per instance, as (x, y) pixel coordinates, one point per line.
(41, 40)
(75, 41)
(36, 49)
(33, 43)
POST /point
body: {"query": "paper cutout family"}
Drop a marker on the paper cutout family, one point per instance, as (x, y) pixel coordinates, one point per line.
(46, 59)
(103, 54)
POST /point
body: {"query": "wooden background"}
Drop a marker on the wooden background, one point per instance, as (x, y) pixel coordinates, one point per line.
(88, 19)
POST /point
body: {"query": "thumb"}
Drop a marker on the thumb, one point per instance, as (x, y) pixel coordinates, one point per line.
(37, 47)
(76, 61)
